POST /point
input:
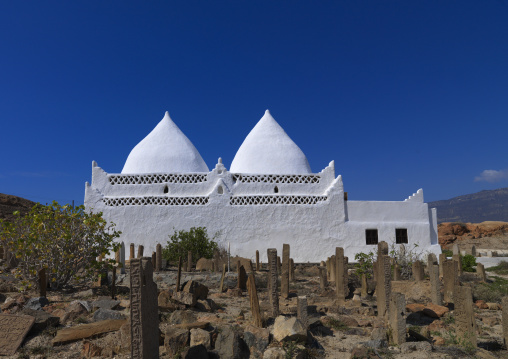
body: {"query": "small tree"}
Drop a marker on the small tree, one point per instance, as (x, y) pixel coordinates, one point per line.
(65, 240)
(195, 240)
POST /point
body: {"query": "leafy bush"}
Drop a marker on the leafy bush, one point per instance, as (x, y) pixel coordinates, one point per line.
(405, 259)
(65, 240)
(448, 252)
(364, 264)
(195, 240)
(468, 262)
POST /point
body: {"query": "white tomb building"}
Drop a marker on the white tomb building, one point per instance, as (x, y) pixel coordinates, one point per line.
(268, 197)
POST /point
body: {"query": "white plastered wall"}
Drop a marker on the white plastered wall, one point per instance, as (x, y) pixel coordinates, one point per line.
(312, 230)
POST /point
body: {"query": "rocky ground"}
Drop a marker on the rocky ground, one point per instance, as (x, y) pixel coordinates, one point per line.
(219, 325)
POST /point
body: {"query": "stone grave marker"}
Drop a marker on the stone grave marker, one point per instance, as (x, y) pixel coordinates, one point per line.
(141, 249)
(418, 274)
(323, 281)
(333, 268)
(131, 254)
(13, 329)
(465, 323)
(435, 285)
(384, 283)
(302, 311)
(396, 272)
(456, 259)
(431, 260)
(221, 287)
(272, 280)
(189, 261)
(442, 259)
(284, 280)
(455, 249)
(450, 279)
(122, 258)
(43, 283)
(480, 269)
(279, 265)
(258, 267)
(154, 259)
(179, 275)
(254, 301)
(339, 275)
(397, 322)
(158, 258)
(291, 270)
(242, 276)
(144, 310)
(364, 290)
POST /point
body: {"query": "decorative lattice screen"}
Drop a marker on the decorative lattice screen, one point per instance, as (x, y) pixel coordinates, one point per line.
(276, 178)
(157, 178)
(155, 200)
(260, 200)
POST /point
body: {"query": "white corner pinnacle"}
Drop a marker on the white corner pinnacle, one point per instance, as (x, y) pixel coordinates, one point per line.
(165, 150)
(268, 149)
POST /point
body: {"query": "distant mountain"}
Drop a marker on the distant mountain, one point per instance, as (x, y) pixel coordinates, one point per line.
(9, 204)
(482, 206)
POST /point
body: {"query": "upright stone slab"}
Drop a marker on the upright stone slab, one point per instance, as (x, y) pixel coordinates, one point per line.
(221, 288)
(284, 280)
(442, 259)
(435, 285)
(254, 301)
(384, 285)
(364, 290)
(141, 249)
(418, 271)
(179, 275)
(339, 275)
(144, 310)
(258, 267)
(473, 251)
(279, 265)
(328, 268)
(291, 270)
(402, 251)
(375, 269)
(189, 261)
(158, 258)
(131, 254)
(323, 281)
(122, 258)
(302, 311)
(333, 268)
(465, 323)
(431, 260)
(455, 249)
(43, 283)
(242, 276)
(450, 279)
(480, 269)
(456, 259)
(504, 303)
(396, 318)
(396, 272)
(272, 280)
(154, 259)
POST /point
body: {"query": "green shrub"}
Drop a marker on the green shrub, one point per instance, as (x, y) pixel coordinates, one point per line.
(491, 292)
(195, 240)
(364, 264)
(65, 240)
(448, 253)
(468, 262)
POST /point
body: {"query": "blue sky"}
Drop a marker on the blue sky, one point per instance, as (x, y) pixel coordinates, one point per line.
(401, 94)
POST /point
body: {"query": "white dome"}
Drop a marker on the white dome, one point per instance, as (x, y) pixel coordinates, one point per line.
(165, 150)
(269, 150)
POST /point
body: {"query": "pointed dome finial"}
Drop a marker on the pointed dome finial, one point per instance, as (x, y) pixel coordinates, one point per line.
(269, 150)
(165, 150)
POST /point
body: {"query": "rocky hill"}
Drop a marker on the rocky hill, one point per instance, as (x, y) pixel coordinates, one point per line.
(9, 204)
(477, 207)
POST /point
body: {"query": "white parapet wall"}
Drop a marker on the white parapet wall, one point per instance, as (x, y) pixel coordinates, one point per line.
(256, 212)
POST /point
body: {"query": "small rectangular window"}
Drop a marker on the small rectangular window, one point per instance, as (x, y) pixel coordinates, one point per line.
(371, 236)
(400, 235)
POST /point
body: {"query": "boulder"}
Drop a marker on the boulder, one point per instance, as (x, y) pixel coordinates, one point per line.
(185, 298)
(200, 290)
(207, 305)
(493, 306)
(36, 303)
(435, 311)
(274, 353)
(166, 302)
(195, 352)
(230, 345)
(105, 314)
(175, 340)
(414, 307)
(200, 337)
(256, 337)
(182, 317)
(204, 264)
(73, 311)
(105, 304)
(42, 319)
(286, 329)
(480, 304)
(410, 347)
